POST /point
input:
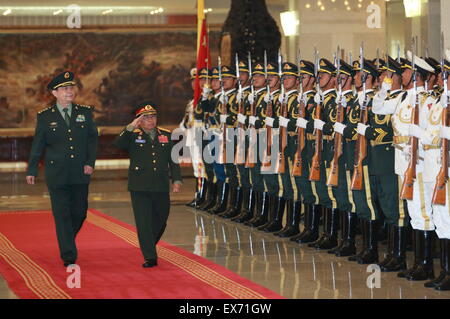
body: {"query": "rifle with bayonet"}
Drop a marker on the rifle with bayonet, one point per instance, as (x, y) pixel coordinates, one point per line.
(269, 112)
(314, 174)
(239, 157)
(361, 142)
(298, 161)
(333, 177)
(439, 192)
(223, 111)
(410, 173)
(251, 159)
(281, 167)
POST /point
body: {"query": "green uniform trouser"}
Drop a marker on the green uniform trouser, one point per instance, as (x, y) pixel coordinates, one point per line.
(304, 186)
(151, 210)
(324, 192)
(341, 191)
(297, 188)
(244, 174)
(272, 183)
(69, 207)
(256, 179)
(231, 175)
(383, 194)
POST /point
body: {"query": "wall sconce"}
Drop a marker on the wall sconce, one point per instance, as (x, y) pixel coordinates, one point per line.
(289, 23)
(413, 8)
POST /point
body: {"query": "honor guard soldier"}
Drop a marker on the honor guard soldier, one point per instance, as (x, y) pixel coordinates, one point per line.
(431, 85)
(327, 101)
(306, 187)
(66, 132)
(192, 130)
(149, 148)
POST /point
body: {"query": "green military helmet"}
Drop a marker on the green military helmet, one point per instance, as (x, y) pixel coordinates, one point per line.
(306, 67)
(228, 71)
(326, 66)
(243, 66)
(65, 78)
(215, 72)
(289, 68)
(258, 68)
(346, 69)
(272, 68)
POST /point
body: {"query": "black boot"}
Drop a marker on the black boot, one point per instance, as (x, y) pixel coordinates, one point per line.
(193, 202)
(331, 231)
(435, 282)
(275, 224)
(398, 257)
(261, 211)
(211, 194)
(410, 242)
(248, 204)
(362, 225)
(370, 254)
(343, 231)
(444, 284)
(311, 231)
(231, 202)
(202, 192)
(390, 246)
(424, 257)
(294, 210)
(236, 205)
(348, 247)
(221, 204)
(326, 217)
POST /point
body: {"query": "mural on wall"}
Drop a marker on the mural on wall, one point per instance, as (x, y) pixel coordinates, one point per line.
(115, 72)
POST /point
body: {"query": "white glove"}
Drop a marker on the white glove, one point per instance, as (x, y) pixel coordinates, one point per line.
(301, 122)
(406, 151)
(318, 124)
(412, 100)
(269, 121)
(223, 118)
(362, 129)
(343, 102)
(386, 87)
(339, 127)
(281, 98)
(445, 132)
(251, 98)
(415, 130)
(252, 120)
(283, 121)
(222, 99)
(444, 97)
(239, 97)
(267, 97)
(241, 118)
(205, 93)
(361, 99)
(317, 98)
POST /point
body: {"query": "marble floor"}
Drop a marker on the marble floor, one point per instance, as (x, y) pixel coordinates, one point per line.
(287, 268)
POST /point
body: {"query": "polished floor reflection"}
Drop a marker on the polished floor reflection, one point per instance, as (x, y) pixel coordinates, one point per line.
(289, 269)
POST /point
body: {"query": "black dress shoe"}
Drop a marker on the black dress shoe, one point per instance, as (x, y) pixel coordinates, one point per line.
(150, 263)
(68, 262)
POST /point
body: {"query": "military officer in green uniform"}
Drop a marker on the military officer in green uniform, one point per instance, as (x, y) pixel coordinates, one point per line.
(149, 147)
(67, 133)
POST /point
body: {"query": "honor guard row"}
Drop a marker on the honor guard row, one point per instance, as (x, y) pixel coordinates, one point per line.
(362, 148)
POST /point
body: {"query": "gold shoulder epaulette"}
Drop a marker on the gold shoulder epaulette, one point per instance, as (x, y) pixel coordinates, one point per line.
(43, 110)
(86, 106)
(137, 130)
(164, 129)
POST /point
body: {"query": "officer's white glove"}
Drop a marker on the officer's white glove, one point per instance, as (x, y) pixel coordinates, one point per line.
(205, 93)
(317, 98)
(267, 97)
(339, 127)
(361, 129)
(241, 118)
(361, 99)
(338, 99)
(239, 97)
(406, 151)
(269, 121)
(283, 121)
(415, 130)
(412, 100)
(223, 118)
(281, 98)
(251, 98)
(252, 120)
(318, 124)
(444, 97)
(445, 132)
(301, 122)
(343, 102)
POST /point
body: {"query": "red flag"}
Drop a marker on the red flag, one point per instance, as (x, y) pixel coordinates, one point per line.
(203, 58)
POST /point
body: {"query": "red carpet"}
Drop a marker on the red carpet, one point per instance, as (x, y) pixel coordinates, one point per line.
(110, 263)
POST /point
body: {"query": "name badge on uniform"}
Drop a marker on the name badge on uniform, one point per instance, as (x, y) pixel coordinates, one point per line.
(80, 118)
(140, 141)
(163, 139)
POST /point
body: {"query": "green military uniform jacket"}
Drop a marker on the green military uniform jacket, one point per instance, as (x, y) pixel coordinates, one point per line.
(67, 148)
(261, 109)
(310, 115)
(351, 120)
(150, 161)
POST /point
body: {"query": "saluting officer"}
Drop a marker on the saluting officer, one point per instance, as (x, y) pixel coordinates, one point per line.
(149, 147)
(68, 135)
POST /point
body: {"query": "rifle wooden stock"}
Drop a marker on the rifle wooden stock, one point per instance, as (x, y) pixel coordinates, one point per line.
(439, 193)
(266, 161)
(410, 174)
(281, 168)
(360, 155)
(314, 174)
(251, 159)
(298, 161)
(334, 171)
(239, 157)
